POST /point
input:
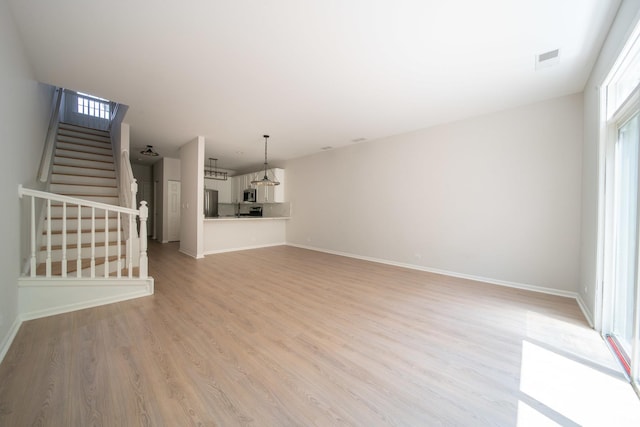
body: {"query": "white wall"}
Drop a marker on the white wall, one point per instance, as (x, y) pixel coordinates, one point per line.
(626, 19)
(24, 116)
(495, 197)
(165, 170)
(191, 198)
(222, 235)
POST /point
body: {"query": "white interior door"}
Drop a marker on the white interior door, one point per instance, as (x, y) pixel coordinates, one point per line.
(173, 217)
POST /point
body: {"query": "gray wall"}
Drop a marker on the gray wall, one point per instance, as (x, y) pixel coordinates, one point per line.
(24, 116)
(495, 197)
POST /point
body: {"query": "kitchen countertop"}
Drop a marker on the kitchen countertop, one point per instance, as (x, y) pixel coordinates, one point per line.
(244, 218)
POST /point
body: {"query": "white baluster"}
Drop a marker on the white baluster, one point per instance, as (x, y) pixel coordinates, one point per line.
(79, 243)
(93, 242)
(144, 212)
(64, 239)
(119, 250)
(129, 247)
(33, 236)
(48, 262)
(106, 243)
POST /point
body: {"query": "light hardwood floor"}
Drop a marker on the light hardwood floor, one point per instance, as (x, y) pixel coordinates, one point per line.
(285, 336)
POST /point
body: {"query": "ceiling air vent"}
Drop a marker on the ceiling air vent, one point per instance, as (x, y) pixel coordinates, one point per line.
(547, 59)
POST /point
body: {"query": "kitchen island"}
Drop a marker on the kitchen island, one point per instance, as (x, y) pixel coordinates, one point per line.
(232, 233)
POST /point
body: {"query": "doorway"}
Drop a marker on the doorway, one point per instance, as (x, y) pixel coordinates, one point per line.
(622, 303)
(620, 239)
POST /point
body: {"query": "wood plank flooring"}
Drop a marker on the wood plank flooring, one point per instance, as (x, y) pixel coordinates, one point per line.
(289, 337)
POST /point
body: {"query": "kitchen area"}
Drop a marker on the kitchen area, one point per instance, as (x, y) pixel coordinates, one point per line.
(241, 212)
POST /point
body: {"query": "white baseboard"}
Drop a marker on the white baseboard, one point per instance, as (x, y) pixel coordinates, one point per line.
(191, 254)
(243, 248)
(48, 292)
(8, 340)
(516, 285)
(38, 298)
(585, 311)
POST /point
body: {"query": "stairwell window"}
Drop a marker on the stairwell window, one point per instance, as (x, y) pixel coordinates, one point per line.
(93, 106)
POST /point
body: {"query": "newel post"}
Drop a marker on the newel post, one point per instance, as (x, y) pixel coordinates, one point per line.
(134, 192)
(144, 213)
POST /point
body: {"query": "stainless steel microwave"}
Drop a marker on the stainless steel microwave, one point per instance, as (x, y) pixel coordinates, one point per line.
(249, 195)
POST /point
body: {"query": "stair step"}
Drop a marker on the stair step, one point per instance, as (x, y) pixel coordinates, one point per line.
(125, 272)
(72, 212)
(60, 178)
(74, 138)
(82, 231)
(76, 190)
(85, 223)
(72, 154)
(85, 250)
(112, 244)
(56, 267)
(83, 163)
(80, 172)
(108, 200)
(84, 148)
(85, 238)
(83, 130)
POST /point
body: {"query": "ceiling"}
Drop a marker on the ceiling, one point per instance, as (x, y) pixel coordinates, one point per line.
(311, 73)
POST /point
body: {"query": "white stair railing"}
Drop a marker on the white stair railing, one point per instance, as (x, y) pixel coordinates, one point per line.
(128, 184)
(64, 203)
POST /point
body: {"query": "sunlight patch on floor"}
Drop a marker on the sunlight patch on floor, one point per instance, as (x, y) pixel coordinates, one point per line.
(529, 417)
(575, 391)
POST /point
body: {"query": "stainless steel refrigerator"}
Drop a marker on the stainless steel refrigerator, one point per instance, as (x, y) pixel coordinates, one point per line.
(210, 203)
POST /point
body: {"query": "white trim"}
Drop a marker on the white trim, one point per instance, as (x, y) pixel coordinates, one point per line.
(191, 254)
(244, 248)
(51, 290)
(534, 288)
(52, 282)
(585, 311)
(6, 344)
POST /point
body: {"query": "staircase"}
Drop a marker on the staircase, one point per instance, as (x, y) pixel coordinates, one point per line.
(83, 167)
(85, 237)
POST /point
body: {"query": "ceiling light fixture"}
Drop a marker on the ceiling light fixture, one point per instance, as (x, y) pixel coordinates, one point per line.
(213, 172)
(149, 151)
(265, 179)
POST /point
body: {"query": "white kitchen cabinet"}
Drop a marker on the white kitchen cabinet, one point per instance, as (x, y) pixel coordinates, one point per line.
(238, 186)
(272, 194)
(264, 194)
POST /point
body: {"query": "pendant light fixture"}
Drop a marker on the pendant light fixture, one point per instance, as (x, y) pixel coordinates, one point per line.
(265, 179)
(213, 172)
(149, 151)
